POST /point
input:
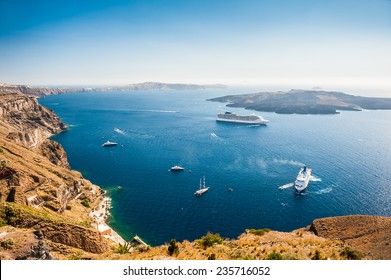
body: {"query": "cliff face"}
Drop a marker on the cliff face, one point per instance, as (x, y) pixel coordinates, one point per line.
(37, 91)
(27, 122)
(369, 234)
(37, 188)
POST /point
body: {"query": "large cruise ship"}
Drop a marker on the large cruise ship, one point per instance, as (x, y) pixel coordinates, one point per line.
(247, 119)
(303, 179)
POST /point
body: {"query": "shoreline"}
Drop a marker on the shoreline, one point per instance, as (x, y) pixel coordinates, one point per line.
(100, 214)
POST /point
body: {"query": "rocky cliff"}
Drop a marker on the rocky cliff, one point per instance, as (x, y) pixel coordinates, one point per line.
(38, 191)
(38, 91)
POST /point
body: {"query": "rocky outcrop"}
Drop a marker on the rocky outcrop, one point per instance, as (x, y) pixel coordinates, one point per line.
(53, 228)
(370, 234)
(29, 123)
(54, 152)
(38, 91)
(37, 187)
(89, 240)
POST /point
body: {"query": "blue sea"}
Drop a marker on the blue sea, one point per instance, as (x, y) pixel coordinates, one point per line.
(350, 154)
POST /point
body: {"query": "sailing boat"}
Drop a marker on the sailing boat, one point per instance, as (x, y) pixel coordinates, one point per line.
(202, 189)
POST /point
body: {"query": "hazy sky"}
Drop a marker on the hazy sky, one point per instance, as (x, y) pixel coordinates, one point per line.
(311, 42)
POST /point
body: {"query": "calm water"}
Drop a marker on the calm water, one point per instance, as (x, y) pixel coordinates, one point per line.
(350, 155)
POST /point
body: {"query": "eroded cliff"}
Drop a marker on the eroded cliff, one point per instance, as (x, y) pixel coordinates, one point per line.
(36, 182)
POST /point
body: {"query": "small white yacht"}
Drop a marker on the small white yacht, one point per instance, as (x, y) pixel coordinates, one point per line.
(108, 143)
(176, 168)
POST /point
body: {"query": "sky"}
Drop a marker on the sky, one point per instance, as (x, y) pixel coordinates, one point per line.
(316, 43)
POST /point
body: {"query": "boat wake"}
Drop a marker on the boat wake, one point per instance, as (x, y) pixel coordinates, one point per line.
(288, 162)
(286, 186)
(156, 111)
(323, 191)
(313, 178)
(120, 131)
(214, 135)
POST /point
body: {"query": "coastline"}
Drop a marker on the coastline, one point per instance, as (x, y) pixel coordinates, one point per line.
(100, 214)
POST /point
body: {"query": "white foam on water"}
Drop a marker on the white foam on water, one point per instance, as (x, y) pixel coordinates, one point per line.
(323, 191)
(158, 111)
(286, 186)
(313, 178)
(288, 162)
(120, 131)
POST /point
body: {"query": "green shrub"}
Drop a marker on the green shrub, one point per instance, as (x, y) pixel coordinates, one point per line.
(7, 243)
(209, 240)
(68, 207)
(124, 248)
(142, 248)
(85, 203)
(173, 248)
(275, 256)
(317, 256)
(212, 257)
(259, 232)
(76, 256)
(351, 254)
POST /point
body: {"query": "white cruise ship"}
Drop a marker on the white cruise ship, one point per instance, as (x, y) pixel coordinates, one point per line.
(247, 119)
(303, 178)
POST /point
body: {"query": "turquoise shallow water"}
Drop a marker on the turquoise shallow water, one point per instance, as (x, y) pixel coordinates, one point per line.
(350, 155)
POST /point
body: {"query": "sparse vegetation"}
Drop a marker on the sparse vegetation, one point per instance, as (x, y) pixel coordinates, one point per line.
(259, 232)
(142, 248)
(76, 256)
(212, 257)
(351, 254)
(173, 248)
(124, 248)
(7, 243)
(209, 240)
(317, 256)
(85, 203)
(275, 256)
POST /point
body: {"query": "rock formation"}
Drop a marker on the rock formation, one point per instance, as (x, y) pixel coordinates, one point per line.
(37, 188)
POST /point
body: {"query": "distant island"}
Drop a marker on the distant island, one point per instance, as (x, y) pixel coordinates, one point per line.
(146, 86)
(164, 86)
(297, 101)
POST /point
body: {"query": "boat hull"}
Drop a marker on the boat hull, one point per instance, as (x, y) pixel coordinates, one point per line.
(242, 122)
(201, 191)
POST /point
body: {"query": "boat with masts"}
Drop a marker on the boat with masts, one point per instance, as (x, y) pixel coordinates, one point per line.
(202, 189)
